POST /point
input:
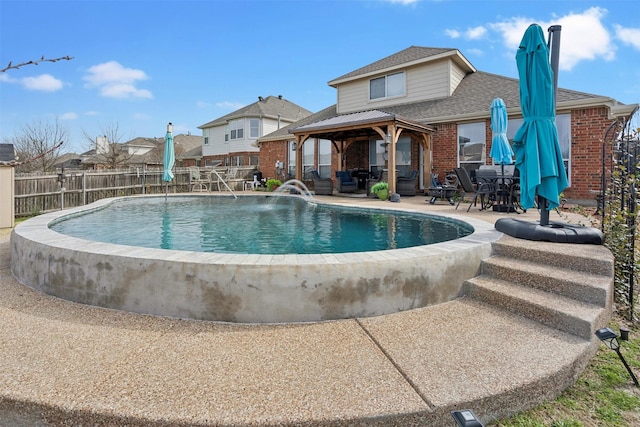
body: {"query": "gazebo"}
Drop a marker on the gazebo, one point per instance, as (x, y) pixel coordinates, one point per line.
(344, 130)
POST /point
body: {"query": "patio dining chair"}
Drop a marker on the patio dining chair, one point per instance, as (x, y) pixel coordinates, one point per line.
(482, 190)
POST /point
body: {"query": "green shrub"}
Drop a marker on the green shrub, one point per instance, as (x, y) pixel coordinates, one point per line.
(379, 186)
(273, 183)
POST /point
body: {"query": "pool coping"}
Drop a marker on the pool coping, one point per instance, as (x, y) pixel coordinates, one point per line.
(296, 288)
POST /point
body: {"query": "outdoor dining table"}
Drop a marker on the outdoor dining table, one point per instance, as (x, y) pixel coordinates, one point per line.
(503, 194)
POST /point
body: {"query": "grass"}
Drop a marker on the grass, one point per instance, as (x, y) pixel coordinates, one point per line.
(604, 395)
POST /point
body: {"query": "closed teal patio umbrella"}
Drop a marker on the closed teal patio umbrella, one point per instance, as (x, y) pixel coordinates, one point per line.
(169, 155)
(501, 151)
(536, 145)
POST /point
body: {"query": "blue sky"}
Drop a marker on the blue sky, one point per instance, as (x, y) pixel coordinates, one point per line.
(142, 64)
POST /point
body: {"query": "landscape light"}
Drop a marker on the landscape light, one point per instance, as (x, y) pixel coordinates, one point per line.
(466, 418)
(610, 338)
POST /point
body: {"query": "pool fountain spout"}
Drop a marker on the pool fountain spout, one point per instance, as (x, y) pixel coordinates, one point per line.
(297, 188)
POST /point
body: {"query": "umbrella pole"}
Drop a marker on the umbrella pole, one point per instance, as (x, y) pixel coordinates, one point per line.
(544, 212)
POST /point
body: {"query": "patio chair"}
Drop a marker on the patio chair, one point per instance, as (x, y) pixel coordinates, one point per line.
(482, 190)
(346, 183)
(438, 190)
(198, 181)
(487, 181)
(321, 186)
(406, 185)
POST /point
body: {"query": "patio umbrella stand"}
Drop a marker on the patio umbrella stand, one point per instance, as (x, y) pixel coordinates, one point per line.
(538, 154)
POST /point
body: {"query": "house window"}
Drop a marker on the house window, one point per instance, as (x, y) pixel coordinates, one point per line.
(403, 156)
(324, 158)
(377, 154)
(563, 124)
(471, 145)
(292, 158)
(387, 87)
(235, 161)
(206, 140)
(254, 128)
(308, 152)
(236, 129)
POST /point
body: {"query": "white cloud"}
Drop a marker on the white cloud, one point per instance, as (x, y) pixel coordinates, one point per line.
(202, 104)
(475, 33)
(583, 36)
(115, 81)
(630, 36)
(43, 82)
(4, 77)
(91, 113)
(454, 34)
(69, 116)
(124, 90)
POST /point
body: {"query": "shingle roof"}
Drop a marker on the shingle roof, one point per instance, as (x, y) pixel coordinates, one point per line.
(408, 55)
(360, 117)
(472, 97)
(270, 106)
(283, 133)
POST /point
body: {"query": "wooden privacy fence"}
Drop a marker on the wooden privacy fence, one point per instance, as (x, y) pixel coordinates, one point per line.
(36, 194)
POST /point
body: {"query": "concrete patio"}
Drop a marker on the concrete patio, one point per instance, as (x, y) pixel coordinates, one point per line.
(520, 333)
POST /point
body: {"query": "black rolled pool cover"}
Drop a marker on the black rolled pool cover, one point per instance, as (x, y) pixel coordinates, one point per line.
(554, 232)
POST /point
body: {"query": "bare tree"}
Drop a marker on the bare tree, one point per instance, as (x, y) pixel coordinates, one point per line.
(109, 151)
(36, 62)
(39, 145)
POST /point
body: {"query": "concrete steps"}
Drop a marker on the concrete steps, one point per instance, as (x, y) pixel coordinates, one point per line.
(563, 286)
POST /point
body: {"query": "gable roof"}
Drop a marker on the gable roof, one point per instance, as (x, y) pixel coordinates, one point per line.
(473, 96)
(405, 58)
(272, 107)
(471, 100)
(283, 133)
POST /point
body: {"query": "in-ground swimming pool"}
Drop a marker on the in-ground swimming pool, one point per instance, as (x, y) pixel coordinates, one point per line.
(239, 287)
(256, 225)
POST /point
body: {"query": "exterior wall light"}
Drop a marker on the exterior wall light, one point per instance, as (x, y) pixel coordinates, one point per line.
(610, 338)
(466, 418)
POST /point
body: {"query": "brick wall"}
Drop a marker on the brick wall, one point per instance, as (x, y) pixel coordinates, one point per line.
(588, 127)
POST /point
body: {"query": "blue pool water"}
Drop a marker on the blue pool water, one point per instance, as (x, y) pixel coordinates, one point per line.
(256, 225)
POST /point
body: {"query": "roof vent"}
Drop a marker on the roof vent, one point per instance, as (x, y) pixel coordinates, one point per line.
(260, 98)
(279, 96)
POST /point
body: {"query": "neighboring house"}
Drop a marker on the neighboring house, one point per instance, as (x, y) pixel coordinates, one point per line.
(428, 109)
(231, 139)
(143, 152)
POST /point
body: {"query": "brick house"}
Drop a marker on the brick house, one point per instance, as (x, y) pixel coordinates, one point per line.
(428, 109)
